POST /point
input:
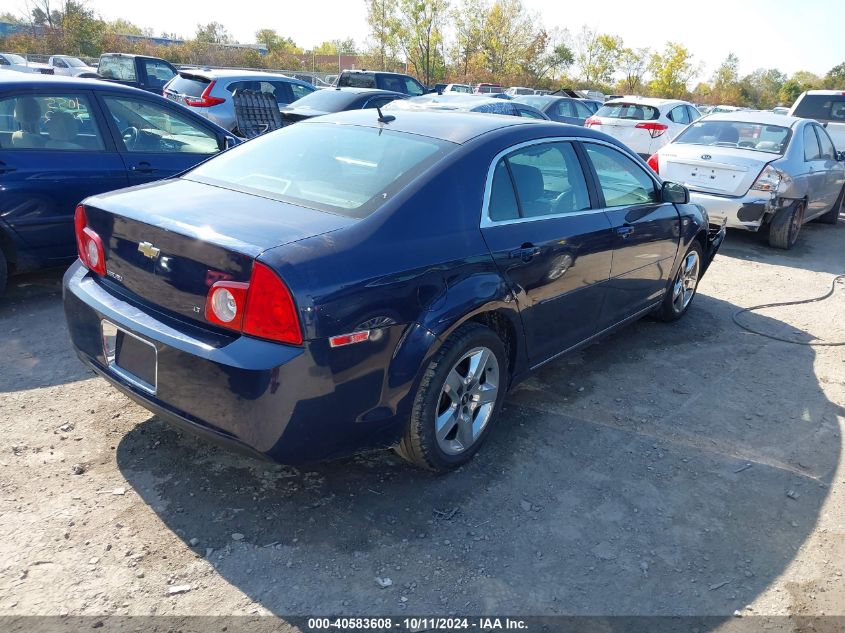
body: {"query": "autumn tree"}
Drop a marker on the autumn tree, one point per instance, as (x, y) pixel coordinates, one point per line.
(508, 33)
(633, 64)
(213, 33)
(597, 56)
(468, 25)
(384, 26)
(726, 81)
(671, 71)
(835, 77)
(421, 38)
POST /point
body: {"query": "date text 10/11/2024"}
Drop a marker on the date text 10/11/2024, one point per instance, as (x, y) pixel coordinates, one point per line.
(417, 624)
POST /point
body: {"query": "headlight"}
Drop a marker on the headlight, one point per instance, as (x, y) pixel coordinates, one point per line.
(768, 180)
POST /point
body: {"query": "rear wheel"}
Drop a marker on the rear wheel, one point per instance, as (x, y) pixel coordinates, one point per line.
(682, 291)
(458, 400)
(832, 216)
(786, 225)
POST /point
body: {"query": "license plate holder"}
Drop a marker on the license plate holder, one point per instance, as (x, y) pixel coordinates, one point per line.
(130, 357)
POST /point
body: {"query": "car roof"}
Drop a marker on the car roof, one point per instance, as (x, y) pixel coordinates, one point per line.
(26, 80)
(454, 126)
(370, 91)
(756, 116)
(649, 101)
(826, 93)
(212, 73)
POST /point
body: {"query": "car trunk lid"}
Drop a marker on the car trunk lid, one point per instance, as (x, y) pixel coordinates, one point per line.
(167, 243)
(722, 170)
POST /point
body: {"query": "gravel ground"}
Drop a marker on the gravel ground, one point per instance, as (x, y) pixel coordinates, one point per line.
(686, 469)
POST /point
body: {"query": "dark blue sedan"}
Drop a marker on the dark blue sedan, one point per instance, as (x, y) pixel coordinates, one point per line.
(356, 282)
(560, 109)
(63, 139)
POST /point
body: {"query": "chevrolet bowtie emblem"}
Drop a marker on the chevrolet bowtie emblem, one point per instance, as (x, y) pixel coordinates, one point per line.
(148, 250)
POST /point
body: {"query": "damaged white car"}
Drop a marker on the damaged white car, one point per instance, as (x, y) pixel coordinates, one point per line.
(758, 171)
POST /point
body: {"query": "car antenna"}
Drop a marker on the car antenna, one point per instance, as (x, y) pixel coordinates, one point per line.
(384, 119)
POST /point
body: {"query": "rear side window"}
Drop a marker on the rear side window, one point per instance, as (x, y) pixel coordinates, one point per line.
(158, 72)
(821, 108)
(635, 111)
(120, 68)
(341, 169)
(826, 144)
(189, 85)
(52, 122)
(679, 115)
(621, 180)
(582, 111)
(300, 91)
(357, 80)
(548, 180)
(811, 144)
(565, 108)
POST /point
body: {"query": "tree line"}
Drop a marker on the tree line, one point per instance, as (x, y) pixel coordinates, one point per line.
(466, 41)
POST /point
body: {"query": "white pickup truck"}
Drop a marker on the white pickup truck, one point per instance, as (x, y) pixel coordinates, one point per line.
(828, 108)
(72, 67)
(10, 61)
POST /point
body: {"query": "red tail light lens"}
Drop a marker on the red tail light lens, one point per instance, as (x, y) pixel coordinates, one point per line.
(264, 307)
(654, 163)
(592, 121)
(654, 129)
(204, 101)
(89, 246)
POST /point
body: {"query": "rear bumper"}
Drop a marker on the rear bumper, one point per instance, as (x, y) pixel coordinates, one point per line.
(280, 402)
(748, 212)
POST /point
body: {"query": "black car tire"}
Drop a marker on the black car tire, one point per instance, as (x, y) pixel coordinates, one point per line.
(786, 225)
(4, 272)
(420, 446)
(669, 309)
(832, 216)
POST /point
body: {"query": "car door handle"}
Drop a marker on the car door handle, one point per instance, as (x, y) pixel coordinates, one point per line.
(143, 168)
(4, 168)
(625, 230)
(526, 252)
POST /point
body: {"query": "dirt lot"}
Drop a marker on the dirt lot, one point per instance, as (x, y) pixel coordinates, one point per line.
(671, 469)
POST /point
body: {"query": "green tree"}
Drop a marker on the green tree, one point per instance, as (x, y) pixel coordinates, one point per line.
(547, 55)
(384, 30)
(508, 33)
(9, 17)
(213, 33)
(468, 26)
(421, 37)
(633, 64)
(597, 56)
(726, 87)
(835, 77)
(671, 71)
(276, 43)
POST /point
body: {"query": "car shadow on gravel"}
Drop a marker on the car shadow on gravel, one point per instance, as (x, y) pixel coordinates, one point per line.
(668, 470)
(36, 350)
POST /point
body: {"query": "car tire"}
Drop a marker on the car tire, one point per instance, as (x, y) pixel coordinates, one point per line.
(4, 272)
(786, 226)
(682, 290)
(832, 216)
(447, 425)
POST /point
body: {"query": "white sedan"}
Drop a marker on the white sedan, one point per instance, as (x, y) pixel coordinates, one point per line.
(644, 125)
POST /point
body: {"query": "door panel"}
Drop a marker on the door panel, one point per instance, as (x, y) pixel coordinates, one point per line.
(646, 233)
(53, 154)
(834, 170)
(552, 247)
(155, 140)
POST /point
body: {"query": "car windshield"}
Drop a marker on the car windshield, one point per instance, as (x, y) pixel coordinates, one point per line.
(327, 100)
(758, 137)
(348, 170)
(623, 110)
(74, 62)
(15, 59)
(538, 102)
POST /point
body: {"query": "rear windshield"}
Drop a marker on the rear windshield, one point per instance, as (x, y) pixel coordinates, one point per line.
(634, 111)
(822, 108)
(356, 80)
(189, 85)
(538, 102)
(348, 170)
(771, 139)
(120, 68)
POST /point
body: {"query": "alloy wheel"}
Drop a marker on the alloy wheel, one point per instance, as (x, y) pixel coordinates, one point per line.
(467, 400)
(686, 282)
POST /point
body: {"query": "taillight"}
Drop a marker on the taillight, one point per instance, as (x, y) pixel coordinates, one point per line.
(769, 180)
(264, 307)
(592, 121)
(89, 246)
(204, 101)
(654, 129)
(654, 163)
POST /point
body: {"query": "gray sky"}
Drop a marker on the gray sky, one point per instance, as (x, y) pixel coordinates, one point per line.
(786, 34)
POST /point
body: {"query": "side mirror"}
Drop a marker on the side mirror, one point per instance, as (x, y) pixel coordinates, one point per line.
(674, 193)
(840, 156)
(229, 142)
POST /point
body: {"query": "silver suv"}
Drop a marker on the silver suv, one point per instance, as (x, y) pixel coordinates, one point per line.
(828, 108)
(209, 92)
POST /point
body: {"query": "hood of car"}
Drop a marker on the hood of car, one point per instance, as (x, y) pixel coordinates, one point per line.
(723, 170)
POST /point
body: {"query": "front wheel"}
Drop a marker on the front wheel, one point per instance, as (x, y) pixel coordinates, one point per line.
(786, 225)
(681, 292)
(458, 400)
